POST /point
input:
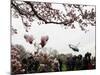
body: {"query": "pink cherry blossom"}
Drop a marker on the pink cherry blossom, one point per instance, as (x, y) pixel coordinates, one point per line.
(29, 38)
(44, 40)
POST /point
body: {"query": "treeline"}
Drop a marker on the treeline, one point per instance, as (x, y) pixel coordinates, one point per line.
(23, 62)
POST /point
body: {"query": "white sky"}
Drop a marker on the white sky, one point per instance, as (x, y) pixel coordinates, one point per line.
(59, 38)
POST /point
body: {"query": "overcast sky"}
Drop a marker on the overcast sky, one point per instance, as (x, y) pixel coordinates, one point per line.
(59, 38)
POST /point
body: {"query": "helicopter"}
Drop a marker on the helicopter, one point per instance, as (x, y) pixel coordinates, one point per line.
(74, 48)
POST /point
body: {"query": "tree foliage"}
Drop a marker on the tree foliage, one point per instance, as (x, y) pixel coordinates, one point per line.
(45, 14)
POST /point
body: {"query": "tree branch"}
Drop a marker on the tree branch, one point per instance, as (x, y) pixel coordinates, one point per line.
(79, 9)
(19, 10)
(40, 18)
(47, 14)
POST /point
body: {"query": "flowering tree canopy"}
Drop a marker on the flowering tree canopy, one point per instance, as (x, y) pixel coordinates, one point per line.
(46, 14)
